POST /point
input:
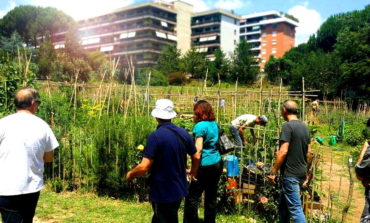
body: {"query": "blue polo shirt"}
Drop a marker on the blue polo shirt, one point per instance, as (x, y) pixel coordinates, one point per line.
(168, 171)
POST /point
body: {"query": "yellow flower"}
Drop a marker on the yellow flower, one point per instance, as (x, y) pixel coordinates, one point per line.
(140, 147)
(224, 170)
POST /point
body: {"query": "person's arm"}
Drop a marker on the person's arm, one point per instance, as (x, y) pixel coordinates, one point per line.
(281, 155)
(241, 133)
(364, 148)
(140, 170)
(360, 158)
(48, 157)
(309, 155)
(253, 135)
(195, 158)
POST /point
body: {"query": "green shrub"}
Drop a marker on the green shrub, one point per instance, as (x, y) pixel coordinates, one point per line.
(157, 78)
(353, 135)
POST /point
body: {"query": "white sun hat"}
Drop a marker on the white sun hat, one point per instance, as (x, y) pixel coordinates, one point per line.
(163, 109)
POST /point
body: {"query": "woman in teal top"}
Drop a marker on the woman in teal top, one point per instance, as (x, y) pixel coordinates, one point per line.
(206, 136)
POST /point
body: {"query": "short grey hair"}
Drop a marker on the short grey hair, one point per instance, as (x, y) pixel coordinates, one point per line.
(24, 97)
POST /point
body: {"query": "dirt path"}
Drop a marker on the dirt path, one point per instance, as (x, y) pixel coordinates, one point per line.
(335, 182)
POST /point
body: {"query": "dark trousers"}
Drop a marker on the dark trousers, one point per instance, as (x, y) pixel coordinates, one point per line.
(166, 212)
(365, 217)
(18, 208)
(207, 181)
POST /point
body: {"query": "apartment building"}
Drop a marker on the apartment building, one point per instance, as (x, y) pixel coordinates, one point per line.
(140, 31)
(270, 33)
(215, 29)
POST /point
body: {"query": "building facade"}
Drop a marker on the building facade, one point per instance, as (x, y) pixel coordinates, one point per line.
(270, 33)
(215, 29)
(140, 31)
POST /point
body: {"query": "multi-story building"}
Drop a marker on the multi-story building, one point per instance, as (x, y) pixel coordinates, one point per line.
(140, 31)
(270, 33)
(215, 29)
(143, 30)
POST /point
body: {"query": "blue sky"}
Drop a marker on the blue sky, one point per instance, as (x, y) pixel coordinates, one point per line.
(311, 13)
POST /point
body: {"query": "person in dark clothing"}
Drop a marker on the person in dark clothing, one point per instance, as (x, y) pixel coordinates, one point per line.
(292, 159)
(209, 173)
(365, 216)
(165, 158)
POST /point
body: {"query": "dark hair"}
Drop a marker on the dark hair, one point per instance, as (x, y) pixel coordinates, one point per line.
(24, 100)
(203, 111)
(290, 107)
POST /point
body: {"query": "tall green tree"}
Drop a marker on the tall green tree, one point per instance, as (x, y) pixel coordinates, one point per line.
(33, 23)
(194, 63)
(219, 67)
(169, 60)
(244, 66)
(353, 49)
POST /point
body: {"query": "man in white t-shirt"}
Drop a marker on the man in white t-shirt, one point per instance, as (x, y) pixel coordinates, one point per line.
(26, 142)
(242, 122)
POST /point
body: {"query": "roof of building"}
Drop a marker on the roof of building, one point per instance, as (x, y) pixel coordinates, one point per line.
(282, 17)
(135, 6)
(214, 11)
(259, 14)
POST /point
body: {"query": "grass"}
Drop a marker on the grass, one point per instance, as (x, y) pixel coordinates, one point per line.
(87, 207)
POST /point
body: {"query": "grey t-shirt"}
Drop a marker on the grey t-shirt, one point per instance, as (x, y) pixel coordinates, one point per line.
(296, 133)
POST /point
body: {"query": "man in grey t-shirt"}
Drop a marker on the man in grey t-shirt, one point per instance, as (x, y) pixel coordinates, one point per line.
(292, 162)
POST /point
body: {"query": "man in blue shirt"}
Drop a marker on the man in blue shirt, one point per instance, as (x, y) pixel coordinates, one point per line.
(165, 158)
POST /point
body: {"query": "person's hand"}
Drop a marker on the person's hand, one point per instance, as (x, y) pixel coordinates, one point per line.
(365, 183)
(191, 175)
(129, 176)
(272, 178)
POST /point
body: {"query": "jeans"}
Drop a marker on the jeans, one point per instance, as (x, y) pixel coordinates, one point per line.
(365, 217)
(166, 212)
(207, 181)
(235, 133)
(18, 208)
(290, 201)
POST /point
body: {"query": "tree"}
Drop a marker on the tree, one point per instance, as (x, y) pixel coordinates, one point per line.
(194, 63)
(219, 67)
(169, 60)
(45, 58)
(244, 66)
(32, 22)
(353, 49)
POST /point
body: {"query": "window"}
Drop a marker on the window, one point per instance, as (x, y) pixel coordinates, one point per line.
(202, 50)
(274, 25)
(263, 51)
(234, 31)
(263, 43)
(205, 39)
(274, 42)
(273, 51)
(273, 33)
(172, 37)
(90, 41)
(59, 46)
(255, 28)
(106, 48)
(263, 61)
(235, 42)
(263, 34)
(127, 35)
(242, 30)
(161, 35)
(164, 24)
